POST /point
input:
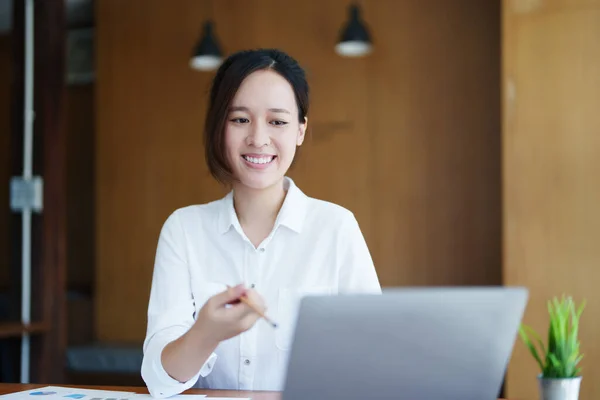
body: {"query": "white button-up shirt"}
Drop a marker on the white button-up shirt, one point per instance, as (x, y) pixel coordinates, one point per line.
(315, 247)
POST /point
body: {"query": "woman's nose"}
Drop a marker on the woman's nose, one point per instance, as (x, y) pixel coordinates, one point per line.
(258, 135)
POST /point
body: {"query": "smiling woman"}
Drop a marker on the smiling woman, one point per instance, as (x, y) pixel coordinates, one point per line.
(266, 236)
(255, 96)
(263, 128)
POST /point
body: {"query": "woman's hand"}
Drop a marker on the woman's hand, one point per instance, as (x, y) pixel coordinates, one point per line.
(224, 316)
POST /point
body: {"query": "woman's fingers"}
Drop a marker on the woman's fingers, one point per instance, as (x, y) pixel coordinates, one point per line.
(256, 299)
(229, 296)
(241, 310)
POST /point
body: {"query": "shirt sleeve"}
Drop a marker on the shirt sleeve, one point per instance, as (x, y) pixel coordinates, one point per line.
(357, 271)
(170, 311)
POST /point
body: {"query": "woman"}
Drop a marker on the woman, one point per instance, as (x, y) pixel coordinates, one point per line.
(265, 236)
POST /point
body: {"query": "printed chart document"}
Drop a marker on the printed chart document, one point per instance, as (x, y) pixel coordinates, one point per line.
(67, 393)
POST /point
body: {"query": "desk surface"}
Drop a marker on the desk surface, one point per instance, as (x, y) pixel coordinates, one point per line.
(6, 388)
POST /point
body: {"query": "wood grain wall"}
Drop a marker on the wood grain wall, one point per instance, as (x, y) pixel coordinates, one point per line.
(551, 147)
(80, 117)
(408, 138)
(80, 127)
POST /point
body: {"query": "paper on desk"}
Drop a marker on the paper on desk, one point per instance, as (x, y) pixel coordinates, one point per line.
(176, 397)
(67, 393)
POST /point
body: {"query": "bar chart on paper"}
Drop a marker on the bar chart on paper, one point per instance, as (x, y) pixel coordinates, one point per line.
(66, 393)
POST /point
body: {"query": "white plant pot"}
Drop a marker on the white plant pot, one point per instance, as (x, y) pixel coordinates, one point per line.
(559, 388)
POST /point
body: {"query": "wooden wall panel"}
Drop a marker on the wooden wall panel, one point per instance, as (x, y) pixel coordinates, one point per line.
(80, 125)
(5, 98)
(551, 147)
(434, 111)
(407, 138)
(80, 186)
(148, 149)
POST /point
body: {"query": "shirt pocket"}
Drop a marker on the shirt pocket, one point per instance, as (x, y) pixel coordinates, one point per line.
(203, 291)
(288, 306)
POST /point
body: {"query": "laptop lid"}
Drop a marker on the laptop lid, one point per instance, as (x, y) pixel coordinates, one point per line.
(412, 343)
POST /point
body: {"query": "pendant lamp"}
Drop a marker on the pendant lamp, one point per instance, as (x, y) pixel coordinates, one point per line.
(355, 40)
(207, 54)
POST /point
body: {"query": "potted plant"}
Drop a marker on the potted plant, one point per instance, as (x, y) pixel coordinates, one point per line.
(560, 378)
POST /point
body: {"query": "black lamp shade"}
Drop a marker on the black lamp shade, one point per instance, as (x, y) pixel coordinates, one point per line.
(207, 53)
(355, 40)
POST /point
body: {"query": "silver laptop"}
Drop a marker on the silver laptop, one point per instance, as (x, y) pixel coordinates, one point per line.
(416, 343)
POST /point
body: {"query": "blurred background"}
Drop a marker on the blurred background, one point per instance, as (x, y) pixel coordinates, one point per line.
(463, 134)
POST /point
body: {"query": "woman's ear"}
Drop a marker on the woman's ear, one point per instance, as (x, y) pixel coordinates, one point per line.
(302, 132)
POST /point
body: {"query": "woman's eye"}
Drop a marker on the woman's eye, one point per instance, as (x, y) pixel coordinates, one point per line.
(278, 123)
(240, 120)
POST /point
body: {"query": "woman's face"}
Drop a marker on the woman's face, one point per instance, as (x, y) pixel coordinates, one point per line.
(262, 130)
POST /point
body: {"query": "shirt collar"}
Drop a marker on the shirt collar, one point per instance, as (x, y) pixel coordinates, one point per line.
(291, 214)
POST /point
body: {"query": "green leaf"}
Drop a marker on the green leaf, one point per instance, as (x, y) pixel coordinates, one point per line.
(560, 358)
(556, 370)
(531, 347)
(536, 337)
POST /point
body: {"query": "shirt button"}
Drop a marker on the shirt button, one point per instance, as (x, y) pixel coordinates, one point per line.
(247, 362)
(253, 286)
(262, 249)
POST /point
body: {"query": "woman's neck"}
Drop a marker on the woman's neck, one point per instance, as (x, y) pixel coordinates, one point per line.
(257, 209)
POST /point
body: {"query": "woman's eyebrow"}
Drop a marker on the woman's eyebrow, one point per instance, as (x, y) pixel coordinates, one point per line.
(275, 110)
(238, 108)
(279, 110)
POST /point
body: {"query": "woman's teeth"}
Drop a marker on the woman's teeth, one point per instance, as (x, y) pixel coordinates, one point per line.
(259, 160)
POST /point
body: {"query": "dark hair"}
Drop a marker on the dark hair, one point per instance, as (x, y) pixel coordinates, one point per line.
(226, 83)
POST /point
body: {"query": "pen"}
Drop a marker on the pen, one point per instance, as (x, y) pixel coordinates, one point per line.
(247, 301)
